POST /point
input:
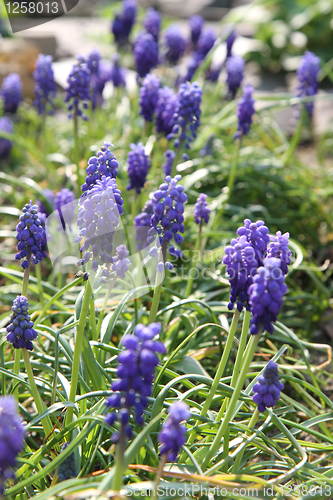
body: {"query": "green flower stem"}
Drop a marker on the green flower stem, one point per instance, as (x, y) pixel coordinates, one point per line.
(46, 423)
(296, 138)
(76, 148)
(232, 177)
(253, 342)
(241, 348)
(78, 350)
(176, 160)
(101, 314)
(93, 319)
(39, 284)
(120, 453)
(159, 474)
(157, 290)
(17, 360)
(193, 268)
(252, 423)
(218, 374)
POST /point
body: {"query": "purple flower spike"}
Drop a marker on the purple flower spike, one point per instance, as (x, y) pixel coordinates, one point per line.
(266, 295)
(152, 23)
(206, 41)
(93, 61)
(29, 233)
(175, 44)
(78, 89)
(45, 86)
(11, 92)
(307, 75)
(6, 125)
(142, 225)
(20, 331)
(235, 73)
(145, 54)
(201, 210)
(279, 247)
(268, 388)
(63, 204)
(230, 41)
(98, 82)
(149, 96)
(130, 391)
(105, 163)
(187, 114)
(166, 106)
(138, 166)
(245, 112)
(123, 22)
(172, 435)
(118, 74)
(12, 436)
(169, 156)
(196, 24)
(120, 262)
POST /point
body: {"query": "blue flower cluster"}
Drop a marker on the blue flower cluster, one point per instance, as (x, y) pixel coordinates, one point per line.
(172, 435)
(67, 469)
(149, 96)
(12, 436)
(93, 61)
(117, 74)
(307, 76)
(187, 114)
(142, 225)
(29, 233)
(167, 220)
(169, 158)
(123, 22)
(138, 166)
(279, 247)
(6, 125)
(145, 54)
(135, 373)
(230, 42)
(175, 43)
(245, 111)
(11, 92)
(166, 106)
(120, 262)
(266, 295)
(235, 73)
(45, 86)
(63, 204)
(257, 234)
(152, 23)
(78, 88)
(98, 82)
(206, 41)
(104, 163)
(201, 210)
(98, 217)
(268, 388)
(196, 24)
(20, 330)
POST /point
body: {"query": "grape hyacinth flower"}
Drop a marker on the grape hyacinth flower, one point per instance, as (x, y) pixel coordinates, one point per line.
(149, 96)
(268, 388)
(266, 295)
(196, 24)
(98, 82)
(201, 210)
(187, 114)
(45, 86)
(12, 436)
(142, 225)
(120, 262)
(206, 41)
(6, 125)
(245, 112)
(145, 54)
(117, 74)
(172, 435)
(29, 233)
(230, 41)
(256, 234)
(152, 23)
(93, 61)
(235, 74)
(175, 44)
(104, 163)
(167, 220)
(67, 469)
(192, 66)
(135, 373)
(63, 204)
(279, 247)
(78, 89)
(124, 21)
(20, 330)
(98, 218)
(307, 76)
(166, 106)
(169, 158)
(11, 92)
(137, 167)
